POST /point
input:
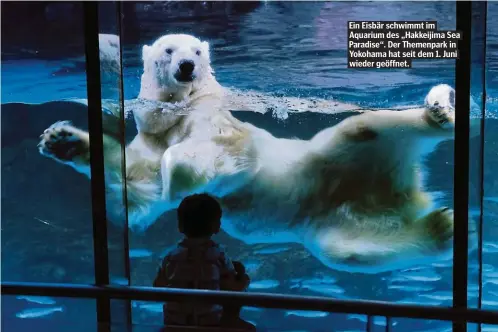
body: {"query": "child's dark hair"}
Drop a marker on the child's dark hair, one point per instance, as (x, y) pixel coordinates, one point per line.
(199, 215)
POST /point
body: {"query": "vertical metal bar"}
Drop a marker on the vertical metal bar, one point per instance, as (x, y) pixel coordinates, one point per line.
(461, 172)
(101, 259)
(369, 323)
(483, 22)
(122, 138)
(388, 324)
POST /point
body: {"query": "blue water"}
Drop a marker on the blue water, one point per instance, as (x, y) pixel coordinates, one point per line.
(287, 49)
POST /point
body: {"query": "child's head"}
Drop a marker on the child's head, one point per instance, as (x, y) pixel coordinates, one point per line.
(199, 216)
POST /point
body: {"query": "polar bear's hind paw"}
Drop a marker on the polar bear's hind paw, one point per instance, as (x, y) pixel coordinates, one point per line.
(438, 226)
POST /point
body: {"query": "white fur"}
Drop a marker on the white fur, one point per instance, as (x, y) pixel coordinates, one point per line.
(334, 193)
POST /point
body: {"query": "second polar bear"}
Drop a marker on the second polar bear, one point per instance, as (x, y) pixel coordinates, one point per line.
(351, 195)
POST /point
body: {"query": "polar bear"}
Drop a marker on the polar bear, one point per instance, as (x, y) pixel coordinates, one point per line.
(352, 194)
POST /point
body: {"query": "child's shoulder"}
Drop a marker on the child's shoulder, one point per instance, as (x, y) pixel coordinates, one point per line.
(219, 248)
(176, 252)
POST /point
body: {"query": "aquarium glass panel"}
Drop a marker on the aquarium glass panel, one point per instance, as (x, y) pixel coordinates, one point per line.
(114, 158)
(110, 66)
(476, 148)
(46, 204)
(254, 104)
(293, 145)
(490, 201)
(43, 313)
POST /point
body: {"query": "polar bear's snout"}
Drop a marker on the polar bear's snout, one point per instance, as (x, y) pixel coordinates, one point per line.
(185, 72)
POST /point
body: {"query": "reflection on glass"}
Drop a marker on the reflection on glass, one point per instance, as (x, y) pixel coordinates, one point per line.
(46, 206)
(43, 313)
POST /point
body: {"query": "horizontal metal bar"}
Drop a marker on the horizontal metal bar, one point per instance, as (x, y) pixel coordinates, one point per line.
(275, 301)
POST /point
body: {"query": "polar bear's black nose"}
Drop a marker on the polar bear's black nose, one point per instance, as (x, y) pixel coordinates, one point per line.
(186, 67)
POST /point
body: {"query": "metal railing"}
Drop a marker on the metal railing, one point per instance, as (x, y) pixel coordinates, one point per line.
(263, 300)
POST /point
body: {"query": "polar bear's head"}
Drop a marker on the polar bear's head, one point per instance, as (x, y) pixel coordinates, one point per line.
(175, 65)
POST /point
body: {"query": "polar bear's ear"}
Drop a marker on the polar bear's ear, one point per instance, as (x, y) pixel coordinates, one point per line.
(145, 52)
(205, 47)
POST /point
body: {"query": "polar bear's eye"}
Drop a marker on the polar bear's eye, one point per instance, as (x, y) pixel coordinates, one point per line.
(198, 52)
(169, 50)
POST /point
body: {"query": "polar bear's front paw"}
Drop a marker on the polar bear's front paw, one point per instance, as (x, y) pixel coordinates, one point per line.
(441, 116)
(63, 142)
